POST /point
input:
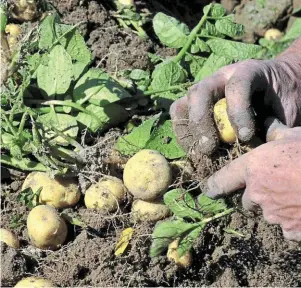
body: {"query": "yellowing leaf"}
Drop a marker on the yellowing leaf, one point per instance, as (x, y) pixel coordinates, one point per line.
(125, 237)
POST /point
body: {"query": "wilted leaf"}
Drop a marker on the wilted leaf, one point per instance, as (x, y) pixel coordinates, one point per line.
(163, 139)
(55, 77)
(125, 237)
(73, 220)
(182, 204)
(170, 31)
(165, 232)
(137, 139)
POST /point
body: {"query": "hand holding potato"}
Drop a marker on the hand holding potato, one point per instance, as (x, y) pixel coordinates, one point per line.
(280, 79)
(271, 176)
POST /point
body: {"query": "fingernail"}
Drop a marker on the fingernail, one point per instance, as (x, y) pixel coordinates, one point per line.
(244, 132)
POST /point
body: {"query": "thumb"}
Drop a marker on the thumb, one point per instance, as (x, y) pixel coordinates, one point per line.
(229, 179)
(276, 130)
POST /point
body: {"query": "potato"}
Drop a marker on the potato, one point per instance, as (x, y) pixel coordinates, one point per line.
(273, 34)
(34, 282)
(225, 129)
(105, 195)
(46, 228)
(58, 192)
(9, 238)
(149, 211)
(13, 30)
(147, 175)
(126, 2)
(25, 10)
(173, 256)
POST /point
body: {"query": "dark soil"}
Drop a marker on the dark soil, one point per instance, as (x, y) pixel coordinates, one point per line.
(257, 256)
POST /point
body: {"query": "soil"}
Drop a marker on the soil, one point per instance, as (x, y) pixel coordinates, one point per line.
(255, 254)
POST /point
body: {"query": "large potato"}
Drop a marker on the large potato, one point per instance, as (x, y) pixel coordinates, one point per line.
(105, 195)
(58, 192)
(149, 211)
(147, 175)
(34, 282)
(225, 129)
(46, 229)
(173, 256)
(9, 238)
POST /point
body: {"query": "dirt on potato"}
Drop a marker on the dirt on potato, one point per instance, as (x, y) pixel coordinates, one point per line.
(255, 254)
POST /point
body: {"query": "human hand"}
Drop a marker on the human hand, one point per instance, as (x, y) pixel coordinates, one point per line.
(271, 176)
(280, 79)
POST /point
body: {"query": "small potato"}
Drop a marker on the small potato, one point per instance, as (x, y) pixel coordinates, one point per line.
(34, 282)
(127, 2)
(149, 211)
(9, 238)
(105, 195)
(173, 256)
(225, 129)
(147, 175)
(58, 192)
(273, 34)
(46, 228)
(13, 30)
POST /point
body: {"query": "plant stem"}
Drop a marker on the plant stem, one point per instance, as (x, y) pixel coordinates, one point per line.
(140, 31)
(216, 216)
(171, 88)
(9, 124)
(192, 36)
(22, 123)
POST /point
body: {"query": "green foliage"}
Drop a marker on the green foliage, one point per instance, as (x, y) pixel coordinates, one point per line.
(185, 208)
(29, 198)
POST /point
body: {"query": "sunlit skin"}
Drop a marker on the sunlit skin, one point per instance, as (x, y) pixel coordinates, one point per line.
(271, 173)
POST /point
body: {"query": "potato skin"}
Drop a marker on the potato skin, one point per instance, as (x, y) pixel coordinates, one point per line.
(226, 132)
(147, 175)
(172, 255)
(149, 211)
(46, 229)
(9, 238)
(105, 195)
(58, 192)
(273, 34)
(34, 282)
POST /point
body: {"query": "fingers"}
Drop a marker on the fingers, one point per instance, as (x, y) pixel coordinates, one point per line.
(292, 235)
(229, 179)
(179, 117)
(249, 202)
(248, 77)
(276, 130)
(201, 99)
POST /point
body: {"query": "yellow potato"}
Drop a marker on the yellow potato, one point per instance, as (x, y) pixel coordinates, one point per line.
(147, 175)
(126, 2)
(58, 192)
(173, 256)
(13, 30)
(46, 228)
(9, 238)
(34, 282)
(225, 129)
(149, 211)
(105, 195)
(273, 34)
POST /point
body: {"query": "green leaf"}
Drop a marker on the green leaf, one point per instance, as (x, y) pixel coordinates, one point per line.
(261, 3)
(229, 28)
(164, 140)
(139, 74)
(208, 205)
(165, 232)
(137, 139)
(182, 204)
(170, 31)
(108, 116)
(24, 164)
(195, 63)
(209, 29)
(202, 45)
(3, 18)
(164, 100)
(217, 10)
(78, 69)
(74, 43)
(63, 122)
(211, 65)
(185, 244)
(232, 49)
(55, 78)
(167, 74)
(194, 49)
(98, 88)
(294, 32)
(47, 34)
